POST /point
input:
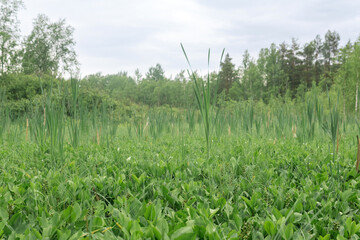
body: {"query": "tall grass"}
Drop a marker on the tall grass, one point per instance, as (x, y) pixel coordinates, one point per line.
(74, 127)
(190, 117)
(55, 124)
(332, 127)
(3, 114)
(205, 102)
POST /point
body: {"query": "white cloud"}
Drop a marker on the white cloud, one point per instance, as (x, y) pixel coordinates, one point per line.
(115, 35)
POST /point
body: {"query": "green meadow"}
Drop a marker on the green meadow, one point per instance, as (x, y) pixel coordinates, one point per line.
(267, 172)
(268, 149)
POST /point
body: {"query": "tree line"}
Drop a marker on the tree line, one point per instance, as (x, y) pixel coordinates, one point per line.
(48, 49)
(37, 62)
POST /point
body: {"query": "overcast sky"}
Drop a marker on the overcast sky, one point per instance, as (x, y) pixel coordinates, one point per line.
(119, 35)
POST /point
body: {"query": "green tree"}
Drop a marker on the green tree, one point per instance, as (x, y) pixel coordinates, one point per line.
(9, 34)
(145, 92)
(155, 73)
(330, 49)
(227, 75)
(251, 81)
(50, 48)
(273, 76)
(355, 65)
(330, 52)
(348, 76)
(138, 75)
(318, 64)
(121, 86)
(308, 55)
(291, 64)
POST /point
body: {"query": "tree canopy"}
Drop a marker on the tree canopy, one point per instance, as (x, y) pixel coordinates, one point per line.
(281, 71)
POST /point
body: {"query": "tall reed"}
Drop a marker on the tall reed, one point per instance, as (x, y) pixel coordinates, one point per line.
(74, 128)
(3, 113)
(332, 129)
(205, 102)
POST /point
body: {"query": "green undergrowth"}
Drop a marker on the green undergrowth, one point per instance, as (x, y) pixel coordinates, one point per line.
(145, 188)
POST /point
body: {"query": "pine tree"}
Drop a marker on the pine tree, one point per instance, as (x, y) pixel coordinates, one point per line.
(227, 75)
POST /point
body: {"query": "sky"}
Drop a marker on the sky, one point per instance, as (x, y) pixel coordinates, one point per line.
(118, 35)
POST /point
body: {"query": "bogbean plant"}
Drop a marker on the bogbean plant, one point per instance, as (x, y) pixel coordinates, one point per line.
(141, 190)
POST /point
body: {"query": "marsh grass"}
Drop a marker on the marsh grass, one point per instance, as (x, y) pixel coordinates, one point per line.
(263, 176)
(4, 114)
(331, 126)
(74, 126)
(206, 103)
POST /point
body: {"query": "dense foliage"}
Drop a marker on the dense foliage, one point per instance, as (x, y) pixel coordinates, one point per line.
(122, 157)
(277, 171)
(284, 71)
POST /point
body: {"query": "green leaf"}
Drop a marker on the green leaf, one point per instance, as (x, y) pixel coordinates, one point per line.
(298, 217)
(238, 220)
(135, 228)
(277, 213)
(4, 215)
(298, 207)
(326, 237)
(2, 225)
(135, 208)
(157, 232)
(288, 232)
(150, 212)
(351, 227)
(97, 222)
(228, 210)
(249, 204)
(348, 225)
(76, 212)
(184, 233)
(163, 226)
(136, 179)
(37, 234)
(270, 227)
(77, 235)
(66, 214)
(64, 234)
(213, 212)
(339, 237)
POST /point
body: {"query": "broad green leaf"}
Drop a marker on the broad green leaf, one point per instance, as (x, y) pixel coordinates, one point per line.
(157, 232)
(37, 234)
(66, 214)
(298, 207)
(184, 233)
(228, 210)
(76, 212)
(288, 232)
(238, 220)
(249, 204)
(4, 215)
(277, 213)
(269, 227)
(326, 237)
(339, 237)
(163, 226)
(2, 225)
(213, 212)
